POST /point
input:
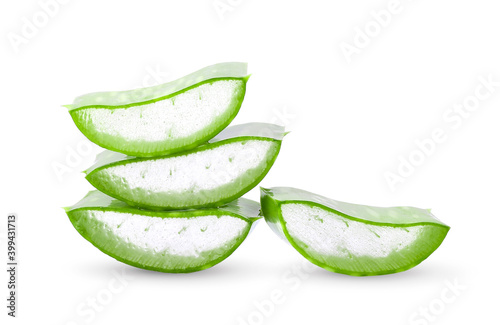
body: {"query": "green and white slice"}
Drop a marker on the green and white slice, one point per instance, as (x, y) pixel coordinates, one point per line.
(227, 167)
(166, 241)
(166, 118)
(352, 239)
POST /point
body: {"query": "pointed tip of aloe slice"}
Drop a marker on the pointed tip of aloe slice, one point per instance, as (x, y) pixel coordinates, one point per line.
(247, 77)
(264, 190)
(68, 106)
(255, 219)
(66, 209)
(286, 133)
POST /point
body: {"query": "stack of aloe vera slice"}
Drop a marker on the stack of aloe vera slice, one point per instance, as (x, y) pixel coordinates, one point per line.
(169, 188)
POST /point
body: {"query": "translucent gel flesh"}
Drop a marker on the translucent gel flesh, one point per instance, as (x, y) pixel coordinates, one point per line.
(203, 170)
(187, 237)
(329, 234)
(177, 117)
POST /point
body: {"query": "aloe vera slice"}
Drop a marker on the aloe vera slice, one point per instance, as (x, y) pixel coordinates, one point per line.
(166, 241)
(348, 238)
(166, 118)
(227, 167)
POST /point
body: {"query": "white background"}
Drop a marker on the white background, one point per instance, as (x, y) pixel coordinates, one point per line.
(351, 122)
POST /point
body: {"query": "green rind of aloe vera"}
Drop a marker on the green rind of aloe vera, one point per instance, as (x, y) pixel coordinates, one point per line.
(206, 182)
(315, 226)
(122, 231)
(117, 134)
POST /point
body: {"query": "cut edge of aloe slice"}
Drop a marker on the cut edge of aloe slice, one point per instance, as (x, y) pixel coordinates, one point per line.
(94, 217)
(234, 70)
(140, 98)
(385, 219)
(103, 175)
